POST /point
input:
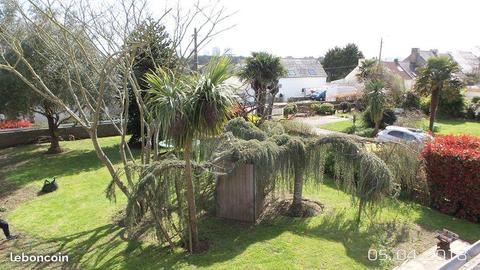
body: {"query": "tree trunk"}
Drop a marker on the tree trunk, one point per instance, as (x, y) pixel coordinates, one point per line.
(261, 100)
(433, 108)
(296, 207)
(377, 127)
(361, 205)
(103, 157)
(54, 139)
(192, 212)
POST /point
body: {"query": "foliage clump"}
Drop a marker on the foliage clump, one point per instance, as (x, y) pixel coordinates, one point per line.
(290, 109)
(323, 108)
(245, 130)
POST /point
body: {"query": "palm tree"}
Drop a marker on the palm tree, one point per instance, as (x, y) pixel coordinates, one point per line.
(263, 71)
(435, 77)
(190, 108)
(377, 102)
(367, 70)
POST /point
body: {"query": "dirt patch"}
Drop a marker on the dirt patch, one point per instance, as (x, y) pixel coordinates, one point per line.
(283, 207)
(18, 197)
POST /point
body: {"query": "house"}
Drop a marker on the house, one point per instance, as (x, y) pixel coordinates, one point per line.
(418, 58)
(401, 70)
(350, 86)
(304, 75)
(467, 61)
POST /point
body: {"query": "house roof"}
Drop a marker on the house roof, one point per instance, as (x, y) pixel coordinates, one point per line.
(396, 68)
(407, 68)
(467, 61)
(426, 54)
(301, 68)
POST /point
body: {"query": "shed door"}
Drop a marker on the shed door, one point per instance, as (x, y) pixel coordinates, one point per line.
(235, 195)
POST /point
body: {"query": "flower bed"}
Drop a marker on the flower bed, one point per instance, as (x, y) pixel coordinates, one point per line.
(14, 124)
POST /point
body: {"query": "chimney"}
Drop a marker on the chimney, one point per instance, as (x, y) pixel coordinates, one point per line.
(413, 58)
(414, 54)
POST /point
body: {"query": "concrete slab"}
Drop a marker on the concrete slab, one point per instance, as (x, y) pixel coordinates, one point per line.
(433, 259)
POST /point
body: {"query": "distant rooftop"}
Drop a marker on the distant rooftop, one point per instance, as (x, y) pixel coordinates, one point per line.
(303, 67)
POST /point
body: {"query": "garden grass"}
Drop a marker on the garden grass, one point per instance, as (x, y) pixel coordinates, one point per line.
(446, 126)
(77, 220)
(455, 126)
(341, 126)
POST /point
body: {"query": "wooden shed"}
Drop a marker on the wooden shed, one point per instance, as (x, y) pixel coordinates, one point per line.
(238, 195)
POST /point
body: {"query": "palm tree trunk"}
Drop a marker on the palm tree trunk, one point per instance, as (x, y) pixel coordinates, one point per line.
(296, 207)
(54, 139)
(377, 127)
(433, 108)
(261, 100)
(192, 212)
(178, 191)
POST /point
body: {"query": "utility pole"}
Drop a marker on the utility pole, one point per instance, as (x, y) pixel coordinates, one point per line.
(195, 50)
(380, 53)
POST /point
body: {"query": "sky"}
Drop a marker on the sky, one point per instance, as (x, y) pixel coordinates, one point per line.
(301, 28)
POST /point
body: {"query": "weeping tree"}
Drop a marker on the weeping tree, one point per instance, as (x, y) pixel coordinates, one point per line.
(281, 157)
(189, 108)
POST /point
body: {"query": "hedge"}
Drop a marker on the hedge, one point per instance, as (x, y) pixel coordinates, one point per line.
(323, 108)
(453, 175)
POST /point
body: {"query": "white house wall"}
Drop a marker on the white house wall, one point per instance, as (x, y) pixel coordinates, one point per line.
(292, 87)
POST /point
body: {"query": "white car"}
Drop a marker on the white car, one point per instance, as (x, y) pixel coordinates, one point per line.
(404, 134)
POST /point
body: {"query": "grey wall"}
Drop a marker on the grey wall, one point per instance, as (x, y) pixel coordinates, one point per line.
(28, 136)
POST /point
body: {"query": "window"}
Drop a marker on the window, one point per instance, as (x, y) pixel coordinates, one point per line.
(408, 137)
(396, 134)
(312, 72)
(291, 72)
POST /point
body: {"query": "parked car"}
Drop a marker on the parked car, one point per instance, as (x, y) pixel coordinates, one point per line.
(319, 96)
(404, 134)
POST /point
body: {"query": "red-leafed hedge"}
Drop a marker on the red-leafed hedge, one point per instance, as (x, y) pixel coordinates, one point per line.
(14, 124)
(453, 175)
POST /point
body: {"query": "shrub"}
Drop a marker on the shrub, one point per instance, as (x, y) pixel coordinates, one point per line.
(473, 111)
(322, 108)
(453, 175)
(366, 132)
(411, 101)
(297, 128)
(291, 108)
(14, 124)
(388, 118)
(475, 99)
(449, 105)
(345, 106)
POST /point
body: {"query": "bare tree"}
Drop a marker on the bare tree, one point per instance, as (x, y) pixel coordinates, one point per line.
(93, 38)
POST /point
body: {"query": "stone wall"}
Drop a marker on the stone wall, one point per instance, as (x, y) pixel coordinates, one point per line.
(9, 138)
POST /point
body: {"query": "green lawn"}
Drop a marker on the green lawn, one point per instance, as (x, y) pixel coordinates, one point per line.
(451, 126)
(77, 220)
(341, 126)
(455, 126)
